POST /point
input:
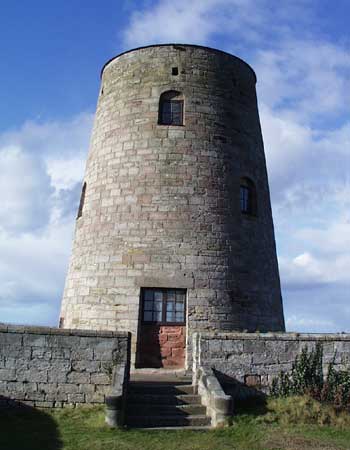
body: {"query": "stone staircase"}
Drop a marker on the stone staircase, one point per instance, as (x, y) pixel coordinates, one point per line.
(164, 402)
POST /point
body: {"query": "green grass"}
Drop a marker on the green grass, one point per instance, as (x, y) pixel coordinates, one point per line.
(296, 423)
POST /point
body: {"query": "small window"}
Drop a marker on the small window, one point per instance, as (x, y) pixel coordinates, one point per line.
(82, 200)
(248, 197)
(171, 108)
(164, 306)
(175, 71)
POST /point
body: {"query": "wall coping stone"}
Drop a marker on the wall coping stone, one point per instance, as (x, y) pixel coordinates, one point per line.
(28, 329)
(288, 336)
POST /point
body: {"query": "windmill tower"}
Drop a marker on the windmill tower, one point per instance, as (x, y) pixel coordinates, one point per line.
(174, 232)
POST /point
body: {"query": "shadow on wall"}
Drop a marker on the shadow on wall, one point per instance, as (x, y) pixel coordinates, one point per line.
(23, 427)
(246, 399)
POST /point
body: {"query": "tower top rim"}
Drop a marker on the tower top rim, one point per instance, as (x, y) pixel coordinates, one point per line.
(174, 44)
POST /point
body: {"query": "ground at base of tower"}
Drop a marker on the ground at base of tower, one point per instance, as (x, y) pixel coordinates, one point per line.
(278, 425)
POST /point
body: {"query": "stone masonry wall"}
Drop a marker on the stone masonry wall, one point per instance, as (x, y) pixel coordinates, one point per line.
(48, 367)
(162, 202)
(255, 359)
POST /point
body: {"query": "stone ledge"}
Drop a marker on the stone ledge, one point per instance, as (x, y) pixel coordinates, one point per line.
(278, 336)
(27, 329)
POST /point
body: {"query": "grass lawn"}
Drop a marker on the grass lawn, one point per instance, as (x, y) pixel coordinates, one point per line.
(289, 424)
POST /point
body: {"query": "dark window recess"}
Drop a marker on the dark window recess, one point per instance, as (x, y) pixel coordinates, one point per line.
(245, 199)
(61, 323)
(175, 71)
(248, 200)
(164, 306)
(82, 200)
(171, 108)
(172, 112)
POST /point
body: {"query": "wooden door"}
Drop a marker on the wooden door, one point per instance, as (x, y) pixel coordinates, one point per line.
(162, 336)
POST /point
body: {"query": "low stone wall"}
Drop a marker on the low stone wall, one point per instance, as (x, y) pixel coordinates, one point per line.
(50, 367)
(254, 359)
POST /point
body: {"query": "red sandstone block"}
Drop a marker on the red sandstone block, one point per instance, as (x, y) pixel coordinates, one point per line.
(163, 338)
(171, 330)
(170, 362)
(165, 352)
(179, 344)
(176, 337)
(168, 344)
(178, 353)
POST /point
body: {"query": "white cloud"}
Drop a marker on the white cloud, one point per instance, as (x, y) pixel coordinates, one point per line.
(26, 191)
(60, 145)
(171, 21)
(41, 173)
(304, 78)
(332, 240)
(307, 269)
(65, 173)
(302, 157)
(251, 20)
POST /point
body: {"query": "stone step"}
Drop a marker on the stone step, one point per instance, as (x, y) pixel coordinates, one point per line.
(157, 378)
(167, 421)
(159, 402)
(160, 388)
(163, 399)
(167, 410)
(186, 427)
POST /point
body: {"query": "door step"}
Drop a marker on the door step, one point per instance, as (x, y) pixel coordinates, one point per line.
(164, 405)
(161, 388)
(167, 409)
(163, 399)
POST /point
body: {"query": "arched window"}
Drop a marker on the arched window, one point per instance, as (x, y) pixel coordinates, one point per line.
(82, 199)
(171, 105)
(248, 196)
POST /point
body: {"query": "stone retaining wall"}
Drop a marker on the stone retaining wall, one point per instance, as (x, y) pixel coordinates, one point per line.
(254, 359)
(50, 367)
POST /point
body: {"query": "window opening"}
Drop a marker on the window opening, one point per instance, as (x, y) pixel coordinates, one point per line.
(82, 200)
(245, 199)
(171, 108)
(172, 112)
(175, 71)
(164, 306)
(248, 197)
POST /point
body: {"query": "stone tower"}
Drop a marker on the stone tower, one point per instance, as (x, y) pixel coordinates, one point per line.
(174, 231)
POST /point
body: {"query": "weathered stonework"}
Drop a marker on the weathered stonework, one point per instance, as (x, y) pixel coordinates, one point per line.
(162, 205)
(256, 359)
(48, 367)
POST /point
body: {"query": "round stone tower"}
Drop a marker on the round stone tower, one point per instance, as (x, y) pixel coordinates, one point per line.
(174, 231)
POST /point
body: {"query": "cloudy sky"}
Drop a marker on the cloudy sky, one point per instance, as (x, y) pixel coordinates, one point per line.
(51, 56)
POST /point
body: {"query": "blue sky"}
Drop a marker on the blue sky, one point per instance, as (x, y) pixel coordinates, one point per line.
(52, 53)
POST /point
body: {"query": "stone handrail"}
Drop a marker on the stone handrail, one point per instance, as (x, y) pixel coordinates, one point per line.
(219, 405)
(116, 401)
